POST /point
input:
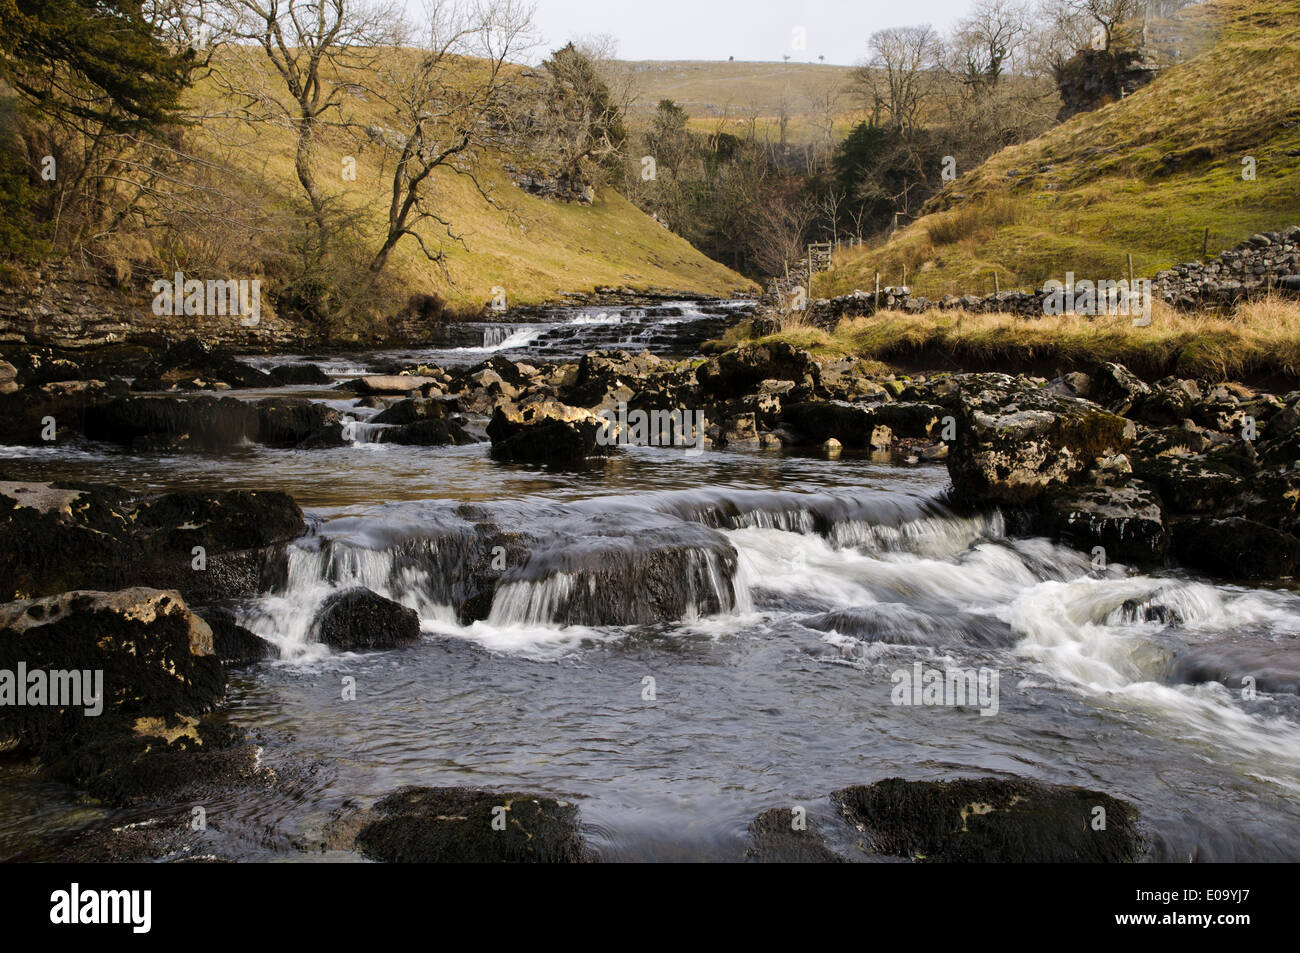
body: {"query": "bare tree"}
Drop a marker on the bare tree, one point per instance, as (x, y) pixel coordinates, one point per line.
(823, 101)
(320, 50)
(897, 75)
(1075, 24)
(987, 42)
(450, 101)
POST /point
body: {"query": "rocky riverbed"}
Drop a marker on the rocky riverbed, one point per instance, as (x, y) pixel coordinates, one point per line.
(230, 541)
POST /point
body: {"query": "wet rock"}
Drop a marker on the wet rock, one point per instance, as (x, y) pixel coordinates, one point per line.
(421, 422)
(545, 432)
(739, 371)
(25, 415)
(773, 839)
(1273, 498)
(194, 363)
(1190, 484)
(411, 410)
(995, 820)
(79, 536)
(158, 670)
(898, 624)
(146, 423)
(299, 374)
(1126, 521)
(169, 759)
(8, 378)
(220, 522)
(1235, 548)
(1148, 610)
(1014, 442)
(357, 619)
(854, 425)
(298, 422)
(239, 534)
(1266, 666)
(232, 643)
(63, 536)
(456, 825)
(425, 433)
(740, 432)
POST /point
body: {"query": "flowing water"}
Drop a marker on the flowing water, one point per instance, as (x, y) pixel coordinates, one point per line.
(772, 684)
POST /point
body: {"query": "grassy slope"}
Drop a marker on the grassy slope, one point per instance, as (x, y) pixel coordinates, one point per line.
(536, 252)
(1096, 187)
(725, 94)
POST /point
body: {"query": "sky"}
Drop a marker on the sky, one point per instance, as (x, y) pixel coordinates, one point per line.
(745, 29)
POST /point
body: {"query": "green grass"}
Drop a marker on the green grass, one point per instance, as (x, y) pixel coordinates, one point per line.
(1145, 176)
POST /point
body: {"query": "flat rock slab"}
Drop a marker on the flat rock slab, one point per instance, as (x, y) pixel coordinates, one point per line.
(392, 383)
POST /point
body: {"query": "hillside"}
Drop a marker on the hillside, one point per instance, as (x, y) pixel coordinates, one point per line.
(734, 94)
(231, 205)
(1146, 175)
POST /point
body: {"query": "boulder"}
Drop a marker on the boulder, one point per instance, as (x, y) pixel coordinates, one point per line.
(853, 424)
(456, 825)
(545, 432)
(65, 536)
(991, 820)
(195, 363)
(391, 383)
(357, 619)
(1235, 548)
(232, 643)
(24, 413)
(1273, 667)
(1126, 521)
(1014, 442)
(741, 370)
(155, 656)
(425, 433)
(299, 374)
(774, 839)
(1117, 388)
(298, 422)
(200, 423)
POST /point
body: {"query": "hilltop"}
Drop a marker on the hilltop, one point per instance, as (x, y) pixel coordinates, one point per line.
(730, 95)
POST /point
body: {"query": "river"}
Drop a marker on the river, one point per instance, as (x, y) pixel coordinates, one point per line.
(773, 687)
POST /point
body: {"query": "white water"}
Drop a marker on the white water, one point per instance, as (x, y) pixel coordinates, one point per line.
(933, 582)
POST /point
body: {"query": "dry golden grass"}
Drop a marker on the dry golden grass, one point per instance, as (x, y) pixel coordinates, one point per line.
(535, 249)
(1259, 338)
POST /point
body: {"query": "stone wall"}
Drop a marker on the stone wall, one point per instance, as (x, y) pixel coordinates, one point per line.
(1265, 263)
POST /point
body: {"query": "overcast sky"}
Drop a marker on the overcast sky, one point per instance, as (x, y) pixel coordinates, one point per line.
(745, 29)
